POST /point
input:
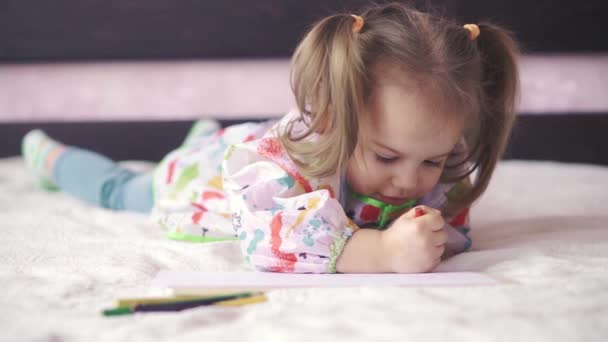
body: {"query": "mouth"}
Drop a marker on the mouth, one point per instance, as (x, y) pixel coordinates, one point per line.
(392, 200)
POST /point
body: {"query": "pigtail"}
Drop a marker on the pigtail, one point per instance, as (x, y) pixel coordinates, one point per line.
(327, 81)
(499, 94)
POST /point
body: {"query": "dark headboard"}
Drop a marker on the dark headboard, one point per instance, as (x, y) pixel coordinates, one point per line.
(32, 30)
(568, 138)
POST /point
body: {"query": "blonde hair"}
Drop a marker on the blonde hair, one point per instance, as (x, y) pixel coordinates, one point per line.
(332, 79)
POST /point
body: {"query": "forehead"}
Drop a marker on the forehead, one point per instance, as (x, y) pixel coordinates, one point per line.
(406, 113)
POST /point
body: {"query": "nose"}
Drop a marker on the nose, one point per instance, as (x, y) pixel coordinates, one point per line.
(405, 180)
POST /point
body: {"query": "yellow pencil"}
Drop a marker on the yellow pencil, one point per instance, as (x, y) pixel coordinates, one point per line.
(154, 300)
(243, 301)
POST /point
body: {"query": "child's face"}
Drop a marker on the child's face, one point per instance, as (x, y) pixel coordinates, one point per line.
(402, 150)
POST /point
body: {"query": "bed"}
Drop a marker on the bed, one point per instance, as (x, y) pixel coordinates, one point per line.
(541, 230)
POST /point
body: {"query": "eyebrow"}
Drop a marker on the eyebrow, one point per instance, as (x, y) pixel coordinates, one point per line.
(401, 154)
(386, 147)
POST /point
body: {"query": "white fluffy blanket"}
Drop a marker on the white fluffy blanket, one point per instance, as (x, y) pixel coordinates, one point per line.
(542, 228)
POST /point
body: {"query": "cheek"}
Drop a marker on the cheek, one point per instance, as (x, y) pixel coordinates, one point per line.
(353, 177)
(360, 178)
(429, 180)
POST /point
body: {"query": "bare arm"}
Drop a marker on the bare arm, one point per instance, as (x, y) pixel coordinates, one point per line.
(363, 253)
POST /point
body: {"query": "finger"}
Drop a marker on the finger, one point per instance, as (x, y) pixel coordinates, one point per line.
(439, 251)
(436, 263)
(411, 214)
(428, 210)
(434, 222)
(439, 237)
(420, 211)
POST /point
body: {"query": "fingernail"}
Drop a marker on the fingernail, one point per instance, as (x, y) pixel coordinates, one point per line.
(418, 212)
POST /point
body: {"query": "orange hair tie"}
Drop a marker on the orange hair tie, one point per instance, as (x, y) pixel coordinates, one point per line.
(473, 30)
(358, 24)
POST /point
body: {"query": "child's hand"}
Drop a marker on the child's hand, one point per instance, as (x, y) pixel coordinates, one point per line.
(415, 244)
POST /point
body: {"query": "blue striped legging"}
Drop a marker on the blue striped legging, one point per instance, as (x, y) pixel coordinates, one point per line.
(99, 180)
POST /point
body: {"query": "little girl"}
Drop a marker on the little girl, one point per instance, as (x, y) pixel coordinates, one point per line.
(395, 109)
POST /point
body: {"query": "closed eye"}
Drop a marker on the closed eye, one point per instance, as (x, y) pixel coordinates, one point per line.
(432, 163)
(385, 160)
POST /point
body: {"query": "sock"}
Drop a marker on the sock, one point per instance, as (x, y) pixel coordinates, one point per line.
(40, 152)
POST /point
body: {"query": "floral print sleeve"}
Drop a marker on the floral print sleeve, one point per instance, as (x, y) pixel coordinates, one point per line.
(285, 221)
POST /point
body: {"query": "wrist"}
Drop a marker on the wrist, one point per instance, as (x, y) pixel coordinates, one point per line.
(364, 252)
(387, 248)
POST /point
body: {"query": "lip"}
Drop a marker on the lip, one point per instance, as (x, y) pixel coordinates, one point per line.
(392, 200)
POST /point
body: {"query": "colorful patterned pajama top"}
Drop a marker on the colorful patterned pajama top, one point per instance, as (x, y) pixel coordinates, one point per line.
(239, 183)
